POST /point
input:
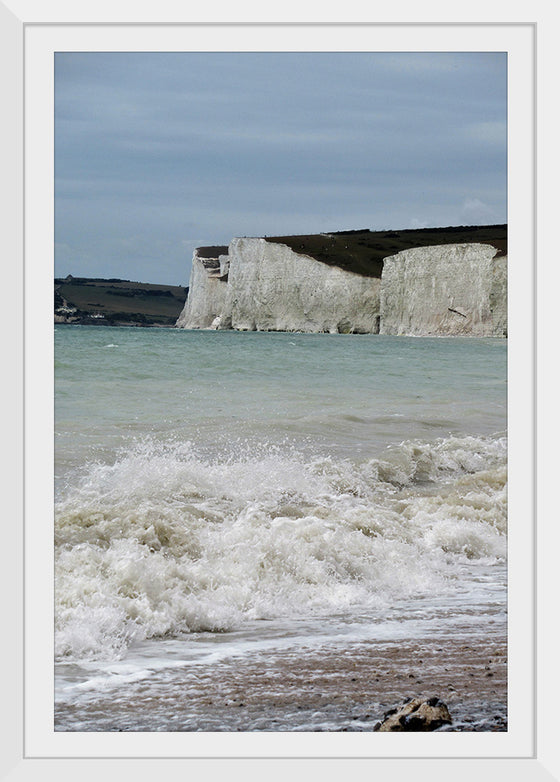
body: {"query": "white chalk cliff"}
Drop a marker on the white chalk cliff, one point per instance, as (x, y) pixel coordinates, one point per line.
(272, 288)
(207, 290)
(448, 290)
(454, 289)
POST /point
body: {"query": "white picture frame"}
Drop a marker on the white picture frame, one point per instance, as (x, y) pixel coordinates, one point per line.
(30, 35)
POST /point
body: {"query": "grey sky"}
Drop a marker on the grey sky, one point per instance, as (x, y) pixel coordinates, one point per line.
(156, 154)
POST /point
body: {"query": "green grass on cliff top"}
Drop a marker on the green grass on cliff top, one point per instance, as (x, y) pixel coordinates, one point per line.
(363, 251)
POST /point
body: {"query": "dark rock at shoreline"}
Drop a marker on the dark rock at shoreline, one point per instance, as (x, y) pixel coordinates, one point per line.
(416, 715)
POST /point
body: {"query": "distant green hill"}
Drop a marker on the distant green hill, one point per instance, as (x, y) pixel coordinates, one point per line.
(116, 302)
(362, 251)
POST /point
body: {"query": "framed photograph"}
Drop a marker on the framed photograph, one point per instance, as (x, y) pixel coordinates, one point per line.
(279, 454)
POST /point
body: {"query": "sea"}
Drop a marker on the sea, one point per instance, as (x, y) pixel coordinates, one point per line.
(277, 531)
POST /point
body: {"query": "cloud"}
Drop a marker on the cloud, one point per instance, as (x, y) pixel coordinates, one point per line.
(476, 211)
(488, 132)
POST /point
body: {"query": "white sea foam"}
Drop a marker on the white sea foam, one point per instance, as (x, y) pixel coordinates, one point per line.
(164, 541)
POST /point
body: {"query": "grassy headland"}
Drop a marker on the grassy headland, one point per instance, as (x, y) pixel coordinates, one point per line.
(363, 251)
(115, 302)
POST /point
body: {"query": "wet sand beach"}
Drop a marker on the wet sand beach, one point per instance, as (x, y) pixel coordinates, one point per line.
(330, 688)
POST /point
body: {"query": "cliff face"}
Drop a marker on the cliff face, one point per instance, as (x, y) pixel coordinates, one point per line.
(498, 296)
(272, 288)
(454, 289)
(451, 290)
(207, 291)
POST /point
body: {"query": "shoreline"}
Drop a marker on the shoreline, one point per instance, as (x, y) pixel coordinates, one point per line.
(270, 331)
(334, 688)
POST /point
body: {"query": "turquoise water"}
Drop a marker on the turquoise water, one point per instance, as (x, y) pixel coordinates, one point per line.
(340, 393)
(330, 486)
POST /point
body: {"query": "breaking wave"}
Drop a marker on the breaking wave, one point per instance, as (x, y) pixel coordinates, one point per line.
(165, 541)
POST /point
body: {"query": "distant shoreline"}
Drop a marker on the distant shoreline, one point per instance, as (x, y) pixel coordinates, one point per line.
(110, 324)
(116, 302)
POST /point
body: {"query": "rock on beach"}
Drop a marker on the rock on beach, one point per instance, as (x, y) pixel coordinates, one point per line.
(416, 715)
